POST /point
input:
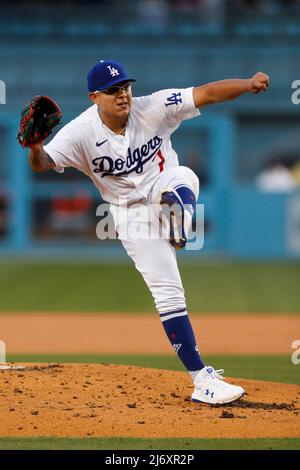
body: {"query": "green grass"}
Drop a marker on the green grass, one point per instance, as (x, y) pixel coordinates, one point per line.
(210, 287)
(272, 368)
(92, 443)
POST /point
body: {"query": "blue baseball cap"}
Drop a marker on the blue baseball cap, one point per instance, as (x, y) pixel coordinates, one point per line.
(105, 74)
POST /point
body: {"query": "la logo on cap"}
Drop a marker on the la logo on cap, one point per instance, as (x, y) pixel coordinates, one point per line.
(113, 71)
(106, 73)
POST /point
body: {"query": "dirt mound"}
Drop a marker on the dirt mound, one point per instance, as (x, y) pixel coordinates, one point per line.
(111, 400)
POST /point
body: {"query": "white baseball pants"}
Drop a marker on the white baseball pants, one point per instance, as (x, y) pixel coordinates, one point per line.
(155, 258)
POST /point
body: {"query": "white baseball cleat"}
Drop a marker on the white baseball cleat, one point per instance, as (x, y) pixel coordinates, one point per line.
(210, 387)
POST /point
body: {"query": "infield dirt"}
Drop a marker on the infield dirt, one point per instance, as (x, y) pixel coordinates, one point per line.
(111, 400)
(143, 334)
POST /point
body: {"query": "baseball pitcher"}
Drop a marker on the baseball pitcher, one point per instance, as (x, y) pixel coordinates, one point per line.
(122, 143)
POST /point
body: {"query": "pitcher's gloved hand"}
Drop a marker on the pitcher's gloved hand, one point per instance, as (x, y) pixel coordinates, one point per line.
(38, 119)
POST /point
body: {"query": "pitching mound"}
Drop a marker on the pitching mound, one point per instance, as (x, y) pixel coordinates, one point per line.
(111, 400)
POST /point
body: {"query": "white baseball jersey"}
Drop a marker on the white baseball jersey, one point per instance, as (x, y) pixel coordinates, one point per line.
(124, 168)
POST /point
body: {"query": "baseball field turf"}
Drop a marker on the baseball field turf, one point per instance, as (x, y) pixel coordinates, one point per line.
(94, 287)
(92, 443)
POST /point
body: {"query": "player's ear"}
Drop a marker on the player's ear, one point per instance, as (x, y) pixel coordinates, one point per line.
(93, 97)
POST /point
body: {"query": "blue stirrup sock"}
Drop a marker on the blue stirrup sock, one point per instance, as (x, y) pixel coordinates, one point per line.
(180, 333)
(176, 323)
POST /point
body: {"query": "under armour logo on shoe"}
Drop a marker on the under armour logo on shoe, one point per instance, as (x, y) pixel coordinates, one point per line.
(113, 71)
(207, 392)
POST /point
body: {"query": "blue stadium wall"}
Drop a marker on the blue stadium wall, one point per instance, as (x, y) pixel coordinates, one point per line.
(232, 140)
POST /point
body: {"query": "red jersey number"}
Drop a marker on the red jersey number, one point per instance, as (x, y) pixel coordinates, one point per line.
(162, 161)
